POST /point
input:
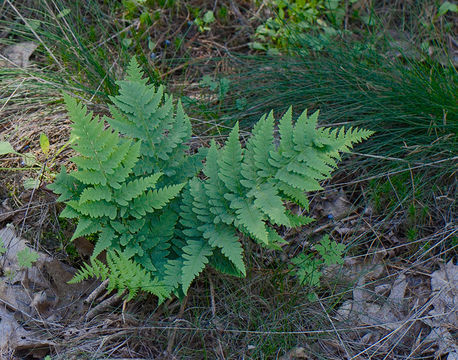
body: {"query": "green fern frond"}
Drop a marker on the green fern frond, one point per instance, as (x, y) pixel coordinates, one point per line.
(230, 161)
(157, 246)
(135, 72)
(104, 241)
(298, 220)
(269, 202)
(133, 189)
(95, 269)
(251, 221)
(172, 277)
(94, 209)
(245, 189)
(145, 113)
(258, 148)
(222, 264)
(65, 185)
(275, 240)
(225, 238)
(195, 257)
(123, 274)
(294, 194)
(86, 226)
(90, 138)
(286, 131)
(154, 200)
(215, 189)
(95, 193)
(173, 145)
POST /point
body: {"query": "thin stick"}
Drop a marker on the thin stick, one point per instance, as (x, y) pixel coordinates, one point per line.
(335, 329)
(97, 291)
(104, 305)
(455, 158)
(14, 92)
(212, 296)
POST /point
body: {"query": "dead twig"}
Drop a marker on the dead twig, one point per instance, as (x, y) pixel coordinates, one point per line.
(97, 291)
(104, 305)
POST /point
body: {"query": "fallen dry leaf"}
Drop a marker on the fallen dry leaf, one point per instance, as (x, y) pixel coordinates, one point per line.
(14, 337)
(6, 211)
(336, 205)
(444, 314)
(445, 342)
(18, 54)
(444, 287)
(389, 310)
(295, 353)
(41, 291)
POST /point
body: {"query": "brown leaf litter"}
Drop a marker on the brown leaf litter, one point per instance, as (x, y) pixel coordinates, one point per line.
(39, 295)
(411, 309)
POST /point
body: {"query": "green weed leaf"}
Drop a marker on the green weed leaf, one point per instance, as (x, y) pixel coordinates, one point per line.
(207, 81)
(31, 184)
(63, 13)
(446, 7)
(29, 159)
(209, 17)
(308, 270)
(26, 257)
(330, 251)
(6, 148)
(2, 248)
(44, 144)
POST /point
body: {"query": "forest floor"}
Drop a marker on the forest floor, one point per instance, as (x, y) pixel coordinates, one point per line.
(393, 205)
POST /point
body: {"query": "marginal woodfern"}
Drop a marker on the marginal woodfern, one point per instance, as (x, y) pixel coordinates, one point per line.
(158, 211)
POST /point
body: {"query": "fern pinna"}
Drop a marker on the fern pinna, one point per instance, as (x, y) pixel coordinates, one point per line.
(156, 213)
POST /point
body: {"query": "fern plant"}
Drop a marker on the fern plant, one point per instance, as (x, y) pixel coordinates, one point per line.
(154, 210)
(122, 274)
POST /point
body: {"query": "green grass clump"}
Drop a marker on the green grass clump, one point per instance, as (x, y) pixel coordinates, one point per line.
(82, 45)
(411, 105)
(405, 91)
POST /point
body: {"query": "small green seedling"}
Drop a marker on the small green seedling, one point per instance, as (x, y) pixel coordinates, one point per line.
(307, 266)
(446, 7)
(44, 144)
(220, 86)
(26, 258)
(6, 148)
(2, 248)
(203, 24)
(30, 162)
(330, 251)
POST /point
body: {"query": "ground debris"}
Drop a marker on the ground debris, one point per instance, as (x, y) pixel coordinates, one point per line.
(296, 353)
(444, 313)
(17, 54)
(14, 338)
(336, 205)
(407, 309)
(37, 295)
